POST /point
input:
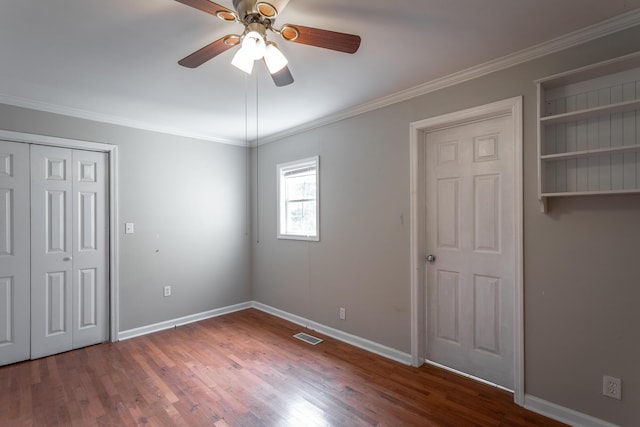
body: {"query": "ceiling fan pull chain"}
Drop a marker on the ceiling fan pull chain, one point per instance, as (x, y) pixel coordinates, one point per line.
(257, 169)
(247, 160)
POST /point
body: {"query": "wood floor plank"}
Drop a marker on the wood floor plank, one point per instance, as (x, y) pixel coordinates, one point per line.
(244, 369)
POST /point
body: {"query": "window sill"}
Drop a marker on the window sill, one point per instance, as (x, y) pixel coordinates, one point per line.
(297, 237)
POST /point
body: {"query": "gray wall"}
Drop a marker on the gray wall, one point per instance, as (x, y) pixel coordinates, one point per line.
(582, 284)
(187, 200)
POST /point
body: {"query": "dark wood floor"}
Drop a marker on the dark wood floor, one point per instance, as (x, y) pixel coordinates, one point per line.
(243, 369)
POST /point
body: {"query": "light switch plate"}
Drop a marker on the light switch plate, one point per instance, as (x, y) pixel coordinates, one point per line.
(128, 228)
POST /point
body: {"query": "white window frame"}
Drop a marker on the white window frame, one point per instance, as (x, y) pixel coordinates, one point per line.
(281, 169)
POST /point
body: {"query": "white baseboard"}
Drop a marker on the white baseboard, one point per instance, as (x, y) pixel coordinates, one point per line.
(168, 324)
(354, 340)
(373, 347)
(562, 414)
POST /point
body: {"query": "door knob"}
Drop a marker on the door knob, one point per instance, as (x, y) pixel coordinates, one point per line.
(68, 258)
(431, 258)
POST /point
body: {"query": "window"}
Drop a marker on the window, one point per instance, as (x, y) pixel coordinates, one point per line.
(298, 200)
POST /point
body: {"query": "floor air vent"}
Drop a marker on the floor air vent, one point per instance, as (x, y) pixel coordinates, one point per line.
(307, 338)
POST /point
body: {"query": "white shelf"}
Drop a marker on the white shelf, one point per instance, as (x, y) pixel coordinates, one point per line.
(590, 153)
(590, 193)
(592, 71)
(608, 91)
(589, 113)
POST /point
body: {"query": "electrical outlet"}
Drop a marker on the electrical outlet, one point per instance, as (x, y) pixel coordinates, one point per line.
(128, 228)
(343, 313)
(167, 291)
(612, 387)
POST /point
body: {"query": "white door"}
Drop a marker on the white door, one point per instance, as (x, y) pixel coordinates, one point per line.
(68, 250)
(14, 252)
(471, 234)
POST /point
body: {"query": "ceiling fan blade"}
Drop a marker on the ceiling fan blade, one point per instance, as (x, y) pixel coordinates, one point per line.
(211, 50)
(333, 40)
(282, 77)
(207, 6)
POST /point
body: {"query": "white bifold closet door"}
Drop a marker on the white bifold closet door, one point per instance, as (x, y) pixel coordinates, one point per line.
(14, 252)
(69, 249)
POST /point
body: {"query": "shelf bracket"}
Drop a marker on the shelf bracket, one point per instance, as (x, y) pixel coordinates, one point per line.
(543, 204)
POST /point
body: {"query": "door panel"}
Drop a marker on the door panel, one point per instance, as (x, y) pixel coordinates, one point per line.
(470, 286)
(55, 214)
(87, 299)
(448, 213)
(6, 310)
(51, 251)
(6, 221)
(14, 252)
(486, 304)
(87, 224)
(486, 210)
(56, 303)
(448, 301)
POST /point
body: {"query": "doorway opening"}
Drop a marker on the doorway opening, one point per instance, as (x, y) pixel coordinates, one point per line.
(112, 206)
(425, 232)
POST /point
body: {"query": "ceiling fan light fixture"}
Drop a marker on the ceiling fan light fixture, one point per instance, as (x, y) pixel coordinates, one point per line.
(266, 9)
(253, 43)
(232, 39)
(226, 15)
(243, 60)
(289, 32)
(274, 58)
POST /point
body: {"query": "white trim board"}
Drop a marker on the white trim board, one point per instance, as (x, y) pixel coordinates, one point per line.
(584, 35)
(356, 341)
(513, 108)
(173, 323)
(112, 152)
(562, 414)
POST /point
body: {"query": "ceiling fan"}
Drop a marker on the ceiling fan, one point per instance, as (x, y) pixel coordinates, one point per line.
(258, 17)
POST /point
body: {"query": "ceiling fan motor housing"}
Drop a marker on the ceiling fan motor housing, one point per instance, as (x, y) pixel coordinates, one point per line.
(245, 8)
(258, 27)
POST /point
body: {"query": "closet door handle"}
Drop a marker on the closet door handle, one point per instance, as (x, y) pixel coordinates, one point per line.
(67, 258)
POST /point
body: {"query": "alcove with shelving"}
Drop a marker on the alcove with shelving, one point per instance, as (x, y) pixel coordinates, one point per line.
(589, 130)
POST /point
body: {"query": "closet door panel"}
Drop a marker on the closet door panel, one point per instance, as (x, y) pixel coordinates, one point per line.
(90, 249)
(51, 250)
(15, 338)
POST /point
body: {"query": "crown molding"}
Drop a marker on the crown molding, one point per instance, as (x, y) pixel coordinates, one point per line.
(105, 118)
(584, 35)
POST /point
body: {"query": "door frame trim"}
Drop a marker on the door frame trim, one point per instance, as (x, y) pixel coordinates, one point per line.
(512, 107)
(112, 152)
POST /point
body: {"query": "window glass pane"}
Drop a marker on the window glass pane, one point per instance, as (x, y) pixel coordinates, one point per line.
(300, 187)
(301, 218)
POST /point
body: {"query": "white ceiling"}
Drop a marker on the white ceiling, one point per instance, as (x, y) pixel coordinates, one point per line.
(116, 60)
